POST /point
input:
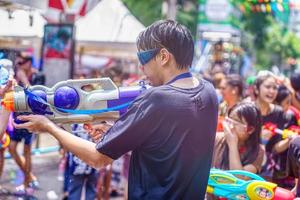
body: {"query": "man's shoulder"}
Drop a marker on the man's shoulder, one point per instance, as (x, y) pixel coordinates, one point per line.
(166, 91)
(156, 92)
(203, 85)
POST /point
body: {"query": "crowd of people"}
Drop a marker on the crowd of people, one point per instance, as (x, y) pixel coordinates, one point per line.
(172, 150)
(250, 112)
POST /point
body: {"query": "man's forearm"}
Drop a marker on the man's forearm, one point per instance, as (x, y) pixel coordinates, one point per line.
(83, 149)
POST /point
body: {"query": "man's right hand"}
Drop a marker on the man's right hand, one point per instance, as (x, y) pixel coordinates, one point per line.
(97, 131)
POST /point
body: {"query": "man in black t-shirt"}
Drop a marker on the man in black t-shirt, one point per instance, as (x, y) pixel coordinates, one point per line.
(170, 128)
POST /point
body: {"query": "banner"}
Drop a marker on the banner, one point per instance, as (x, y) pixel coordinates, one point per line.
(57, 58)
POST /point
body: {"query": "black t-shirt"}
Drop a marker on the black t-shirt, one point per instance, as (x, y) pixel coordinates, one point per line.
(171, 133)
(282, 120)
(277, 117)
(291, 119)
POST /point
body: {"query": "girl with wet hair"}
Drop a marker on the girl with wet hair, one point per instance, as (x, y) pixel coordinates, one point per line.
(238, 147)
(265, 91)
(284, 99)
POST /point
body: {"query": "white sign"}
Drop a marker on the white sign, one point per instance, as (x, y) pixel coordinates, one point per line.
(56, 70)
(217, 10)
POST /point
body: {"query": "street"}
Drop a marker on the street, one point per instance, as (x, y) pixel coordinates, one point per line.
(45, 167)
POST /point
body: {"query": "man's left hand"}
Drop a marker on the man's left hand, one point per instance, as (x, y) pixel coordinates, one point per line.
(34, 123)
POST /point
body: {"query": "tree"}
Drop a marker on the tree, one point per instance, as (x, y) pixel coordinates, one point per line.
(149, 11)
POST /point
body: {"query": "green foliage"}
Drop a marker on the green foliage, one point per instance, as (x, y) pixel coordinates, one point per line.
(149, 11)
(263, 59)
(188, 16)
(280, 45)
(257, 24)
(266, 39)
(146, 11)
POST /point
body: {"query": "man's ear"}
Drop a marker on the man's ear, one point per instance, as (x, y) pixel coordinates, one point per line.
(164, 56)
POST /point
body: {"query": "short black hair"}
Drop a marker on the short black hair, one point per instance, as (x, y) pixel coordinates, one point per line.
(235, 80)
(176, 38)
(295, 81)
(283, 93)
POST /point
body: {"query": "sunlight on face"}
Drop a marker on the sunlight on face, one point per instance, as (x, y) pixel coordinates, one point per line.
(268, 90)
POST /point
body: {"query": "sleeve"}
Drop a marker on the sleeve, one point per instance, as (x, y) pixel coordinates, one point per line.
(132, 129)
(290, 119)
(281, 121)
(271, 143)
(259, 159)
(217, 154)
(293, 158)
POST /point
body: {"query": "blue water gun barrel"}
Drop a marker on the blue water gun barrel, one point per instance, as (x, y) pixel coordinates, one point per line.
(126, 95)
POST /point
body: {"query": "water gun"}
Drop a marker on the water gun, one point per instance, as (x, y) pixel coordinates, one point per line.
(230, 185)
(5, 141)
(292, 130)
(68, 102)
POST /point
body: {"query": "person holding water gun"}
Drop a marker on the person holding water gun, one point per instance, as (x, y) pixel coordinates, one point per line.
(266, 90)
(170, 159)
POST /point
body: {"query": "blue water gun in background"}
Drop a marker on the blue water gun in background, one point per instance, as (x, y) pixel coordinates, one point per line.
(243, 185)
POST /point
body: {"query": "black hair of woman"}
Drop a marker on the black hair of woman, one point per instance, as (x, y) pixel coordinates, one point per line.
(251, 114)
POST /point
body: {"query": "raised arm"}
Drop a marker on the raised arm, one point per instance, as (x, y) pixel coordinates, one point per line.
(83, 149)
